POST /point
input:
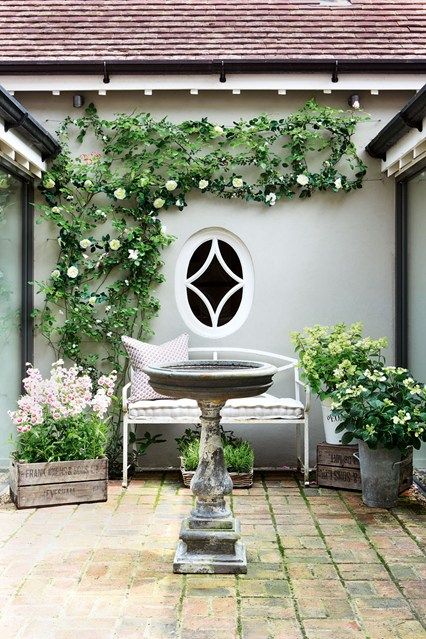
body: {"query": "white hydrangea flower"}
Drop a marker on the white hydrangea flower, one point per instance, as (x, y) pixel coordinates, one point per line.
(302, 179)
(203, 184)
(159, 202)
(85, 243)
(171, 185)
(237, 183)
(72, 272)
(120, 193)
(114, 245)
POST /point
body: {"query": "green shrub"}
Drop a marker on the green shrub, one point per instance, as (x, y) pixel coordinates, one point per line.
(239, 457)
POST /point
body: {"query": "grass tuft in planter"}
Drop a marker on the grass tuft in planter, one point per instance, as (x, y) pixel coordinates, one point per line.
(239, 457)
(61, 438)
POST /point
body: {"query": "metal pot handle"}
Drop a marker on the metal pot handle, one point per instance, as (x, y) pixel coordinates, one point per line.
(355, 455)
(397, 463)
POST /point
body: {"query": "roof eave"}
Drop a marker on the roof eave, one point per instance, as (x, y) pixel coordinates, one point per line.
(410, 116)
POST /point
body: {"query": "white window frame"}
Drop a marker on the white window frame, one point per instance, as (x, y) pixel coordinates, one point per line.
(182, 282)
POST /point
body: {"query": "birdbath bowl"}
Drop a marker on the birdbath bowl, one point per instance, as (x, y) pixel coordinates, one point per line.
(210, 539)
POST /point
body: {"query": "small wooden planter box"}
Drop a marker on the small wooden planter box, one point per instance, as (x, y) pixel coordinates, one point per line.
(338, 468)
(239, 480)
(56, 483)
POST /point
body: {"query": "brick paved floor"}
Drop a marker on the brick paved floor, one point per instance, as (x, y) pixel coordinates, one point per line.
(321, 566)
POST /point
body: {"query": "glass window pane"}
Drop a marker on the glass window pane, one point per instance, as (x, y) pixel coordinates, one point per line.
(10, 302)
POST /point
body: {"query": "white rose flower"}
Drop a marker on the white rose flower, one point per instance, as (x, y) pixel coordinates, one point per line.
(114, 245)
(49, 183)
(159, 202)
(302, 179)
(85, 243)
(171, 185)
(88, 184)
(218, 129)
(338, 183)
(55, 274)
(203, 184)
(271, 198)
(120, 193)
(72, 272)
(56, 209)
(237, 183)
(92, 300)
(133, 254)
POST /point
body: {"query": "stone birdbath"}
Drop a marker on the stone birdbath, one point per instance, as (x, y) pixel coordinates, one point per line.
(210, 539)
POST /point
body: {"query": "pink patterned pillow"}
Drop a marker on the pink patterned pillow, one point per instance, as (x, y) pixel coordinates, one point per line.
(142, 354)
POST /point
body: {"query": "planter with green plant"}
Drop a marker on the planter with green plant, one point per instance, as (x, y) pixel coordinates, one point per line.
(329, 355)
(384, 409)
(239, 457)
(62, 433)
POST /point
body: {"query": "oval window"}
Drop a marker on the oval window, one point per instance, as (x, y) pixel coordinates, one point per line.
(214, 283)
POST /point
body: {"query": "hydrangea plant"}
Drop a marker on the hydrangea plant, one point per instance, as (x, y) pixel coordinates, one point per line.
(381, 405)
(329, 355)
(62, 417)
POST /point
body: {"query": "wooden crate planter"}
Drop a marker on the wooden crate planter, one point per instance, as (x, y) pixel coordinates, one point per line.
(239, 480)
(56, 483)
(338, 468)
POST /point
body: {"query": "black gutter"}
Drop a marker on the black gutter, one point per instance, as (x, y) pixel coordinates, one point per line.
(410, 117)
(16, 116)
(176, 66)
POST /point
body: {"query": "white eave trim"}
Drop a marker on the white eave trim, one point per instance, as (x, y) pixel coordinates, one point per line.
(282, 82)
(17, 151)
(409, 150)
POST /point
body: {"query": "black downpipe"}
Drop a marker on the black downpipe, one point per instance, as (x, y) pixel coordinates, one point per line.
(401, 277)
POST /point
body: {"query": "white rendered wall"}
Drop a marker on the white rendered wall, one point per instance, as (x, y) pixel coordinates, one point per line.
(322, 260)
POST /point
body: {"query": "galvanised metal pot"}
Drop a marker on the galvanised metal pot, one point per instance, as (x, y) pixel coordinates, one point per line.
(380, 469)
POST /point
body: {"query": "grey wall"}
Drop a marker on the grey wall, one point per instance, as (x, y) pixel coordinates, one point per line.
(323, 260)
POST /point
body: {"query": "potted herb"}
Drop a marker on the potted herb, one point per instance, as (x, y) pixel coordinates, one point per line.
(383, 408)
(329, 355)
(239, 457)
(61, 438)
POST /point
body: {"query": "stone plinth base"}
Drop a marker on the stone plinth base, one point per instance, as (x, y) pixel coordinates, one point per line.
(210, 546)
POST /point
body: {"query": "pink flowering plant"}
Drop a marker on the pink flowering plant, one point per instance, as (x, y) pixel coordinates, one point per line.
(62, 417)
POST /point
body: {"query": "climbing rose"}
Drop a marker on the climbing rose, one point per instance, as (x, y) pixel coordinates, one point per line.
(171, 185)
(72, 272)
(218, 129)
(159, 202)
(49, 183)
(85, 243)
(237, 183)
(55, 274)
(338, 183)
(302, 179)
(88, 184)
(133, 255)
(271, 198)
(120, 193)
(203, 184)
(114, 245)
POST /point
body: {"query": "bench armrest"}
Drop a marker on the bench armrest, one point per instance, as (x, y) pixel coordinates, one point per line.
(125, 396)
(308, 393)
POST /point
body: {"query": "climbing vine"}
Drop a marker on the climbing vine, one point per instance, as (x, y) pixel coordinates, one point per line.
(105, 204)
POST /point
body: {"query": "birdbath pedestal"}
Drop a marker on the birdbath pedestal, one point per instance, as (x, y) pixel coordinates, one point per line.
(210, 539)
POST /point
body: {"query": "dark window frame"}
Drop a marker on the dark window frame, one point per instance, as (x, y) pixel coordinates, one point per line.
(27, 255)
(401, 264)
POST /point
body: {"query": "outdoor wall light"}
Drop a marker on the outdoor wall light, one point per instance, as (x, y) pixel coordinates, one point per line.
(354, 101)
(77, 101)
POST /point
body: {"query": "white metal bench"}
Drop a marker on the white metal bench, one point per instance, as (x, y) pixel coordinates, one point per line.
(265, 409)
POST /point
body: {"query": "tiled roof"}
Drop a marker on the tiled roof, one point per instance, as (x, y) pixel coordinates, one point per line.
(51, 30)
